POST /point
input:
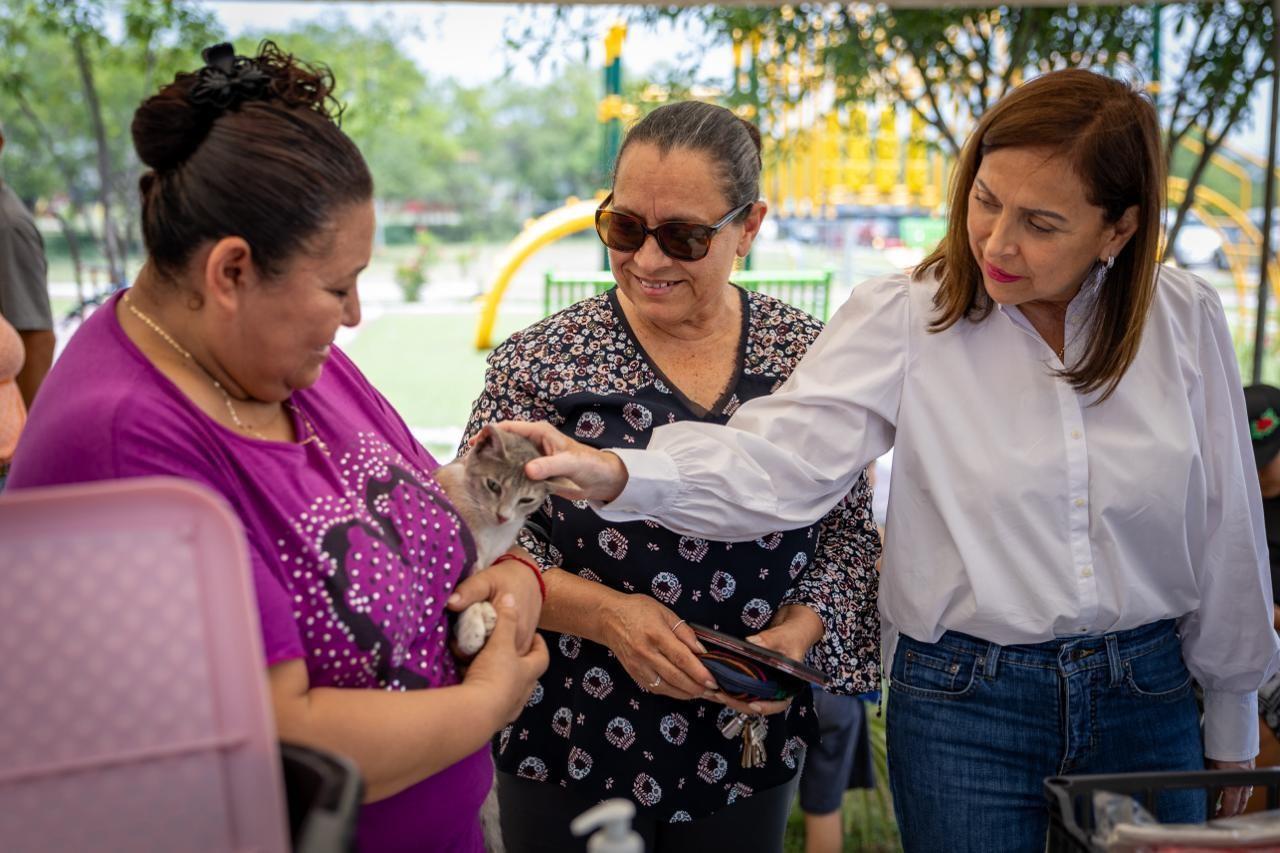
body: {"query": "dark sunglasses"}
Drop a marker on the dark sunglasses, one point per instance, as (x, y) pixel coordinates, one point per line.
(683, 241)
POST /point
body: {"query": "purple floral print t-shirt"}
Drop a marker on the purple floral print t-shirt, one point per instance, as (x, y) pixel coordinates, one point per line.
(354, 547)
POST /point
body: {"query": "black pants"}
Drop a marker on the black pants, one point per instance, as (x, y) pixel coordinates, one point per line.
(536, 816)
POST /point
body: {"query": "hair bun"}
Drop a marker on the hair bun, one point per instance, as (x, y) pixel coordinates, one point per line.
(169, 126)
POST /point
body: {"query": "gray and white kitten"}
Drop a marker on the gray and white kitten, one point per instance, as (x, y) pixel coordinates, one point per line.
(489, 488)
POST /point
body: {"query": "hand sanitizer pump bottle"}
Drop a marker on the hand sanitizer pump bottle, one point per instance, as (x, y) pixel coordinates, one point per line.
(611, 821)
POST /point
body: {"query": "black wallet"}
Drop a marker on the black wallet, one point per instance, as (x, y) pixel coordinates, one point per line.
(747, 672)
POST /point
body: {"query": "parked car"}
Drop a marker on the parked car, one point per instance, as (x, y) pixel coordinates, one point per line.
(1255, 216)
(1243, 247)
(1197, 245)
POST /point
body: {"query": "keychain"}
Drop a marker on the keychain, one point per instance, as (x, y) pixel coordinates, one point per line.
(754, 730)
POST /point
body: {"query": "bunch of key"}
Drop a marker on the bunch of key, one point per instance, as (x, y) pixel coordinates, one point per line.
(753, 731)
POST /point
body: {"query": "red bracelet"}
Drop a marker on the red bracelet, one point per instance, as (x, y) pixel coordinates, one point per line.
(537, 573)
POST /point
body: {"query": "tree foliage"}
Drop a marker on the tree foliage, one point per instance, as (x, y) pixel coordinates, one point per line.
(392, 111)
(74, 71)
(949, 65)
(72, 74)
(1225, 54)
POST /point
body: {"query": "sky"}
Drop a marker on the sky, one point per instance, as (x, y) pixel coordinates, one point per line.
(466, 41)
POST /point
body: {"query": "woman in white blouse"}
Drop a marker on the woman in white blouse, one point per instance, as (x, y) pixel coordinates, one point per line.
(1074, 529)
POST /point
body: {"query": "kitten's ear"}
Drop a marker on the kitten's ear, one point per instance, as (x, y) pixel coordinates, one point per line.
(560, 485)
(490, 443)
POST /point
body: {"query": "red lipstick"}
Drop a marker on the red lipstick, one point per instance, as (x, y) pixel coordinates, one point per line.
(1000, 275)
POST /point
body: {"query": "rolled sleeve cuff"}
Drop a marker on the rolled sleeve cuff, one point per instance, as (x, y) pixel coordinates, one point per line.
(1230, 725)
(652, 481)
(819, 604)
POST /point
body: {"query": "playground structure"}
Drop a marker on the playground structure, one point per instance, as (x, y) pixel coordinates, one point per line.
(830, 163)
(824, 160)
(573, 217)
(820, 154)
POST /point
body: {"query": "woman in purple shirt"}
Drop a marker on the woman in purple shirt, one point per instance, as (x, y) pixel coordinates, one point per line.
(218, 365)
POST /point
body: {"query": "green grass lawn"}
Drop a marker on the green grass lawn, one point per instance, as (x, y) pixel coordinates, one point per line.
(868, 824)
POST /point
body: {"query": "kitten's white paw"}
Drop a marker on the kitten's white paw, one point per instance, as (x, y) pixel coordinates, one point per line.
(474, 626)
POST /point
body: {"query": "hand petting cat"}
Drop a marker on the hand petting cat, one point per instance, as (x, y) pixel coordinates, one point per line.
(650, 641)
(584, 472)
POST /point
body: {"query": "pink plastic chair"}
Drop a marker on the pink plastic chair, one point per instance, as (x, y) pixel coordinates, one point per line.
(133, 706)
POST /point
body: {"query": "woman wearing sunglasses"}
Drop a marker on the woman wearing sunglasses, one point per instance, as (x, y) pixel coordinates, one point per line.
(1075, 532)
(626, 707)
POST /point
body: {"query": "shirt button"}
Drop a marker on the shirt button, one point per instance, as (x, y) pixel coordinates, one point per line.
(1079, 501)
(1075, 433)
(1086, 572)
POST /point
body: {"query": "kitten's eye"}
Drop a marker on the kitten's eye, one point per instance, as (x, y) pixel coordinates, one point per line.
(493, 486)
(523, 501)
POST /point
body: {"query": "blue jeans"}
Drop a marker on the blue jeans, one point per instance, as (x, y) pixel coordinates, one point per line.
(974, 729)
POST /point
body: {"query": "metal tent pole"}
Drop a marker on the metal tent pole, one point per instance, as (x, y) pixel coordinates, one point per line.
(1269, 198)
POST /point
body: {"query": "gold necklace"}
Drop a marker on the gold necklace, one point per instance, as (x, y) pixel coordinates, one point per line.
(231, 409)
(312, 435)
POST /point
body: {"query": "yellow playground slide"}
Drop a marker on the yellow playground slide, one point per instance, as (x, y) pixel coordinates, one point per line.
(573, 217)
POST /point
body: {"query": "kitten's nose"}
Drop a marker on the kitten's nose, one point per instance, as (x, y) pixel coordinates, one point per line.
(502, 519)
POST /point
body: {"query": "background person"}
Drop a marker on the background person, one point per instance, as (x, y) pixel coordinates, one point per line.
(1262, 403)
(13, 412)
(24, 288)
(840, 761)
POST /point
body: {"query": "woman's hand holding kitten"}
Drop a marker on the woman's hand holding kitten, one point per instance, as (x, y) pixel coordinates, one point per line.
(475, 597)
(503, 673)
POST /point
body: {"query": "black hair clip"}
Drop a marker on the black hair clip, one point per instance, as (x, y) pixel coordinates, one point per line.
(227, 80)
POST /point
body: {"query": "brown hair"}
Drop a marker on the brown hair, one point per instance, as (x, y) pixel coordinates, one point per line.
(1109, 134)
(247, 146)
(732, 144)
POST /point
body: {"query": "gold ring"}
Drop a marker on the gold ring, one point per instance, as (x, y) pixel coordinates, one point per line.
(657, 679)
(677, 625)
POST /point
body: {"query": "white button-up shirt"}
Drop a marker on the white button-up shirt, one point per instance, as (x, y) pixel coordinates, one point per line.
(1018, 511)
